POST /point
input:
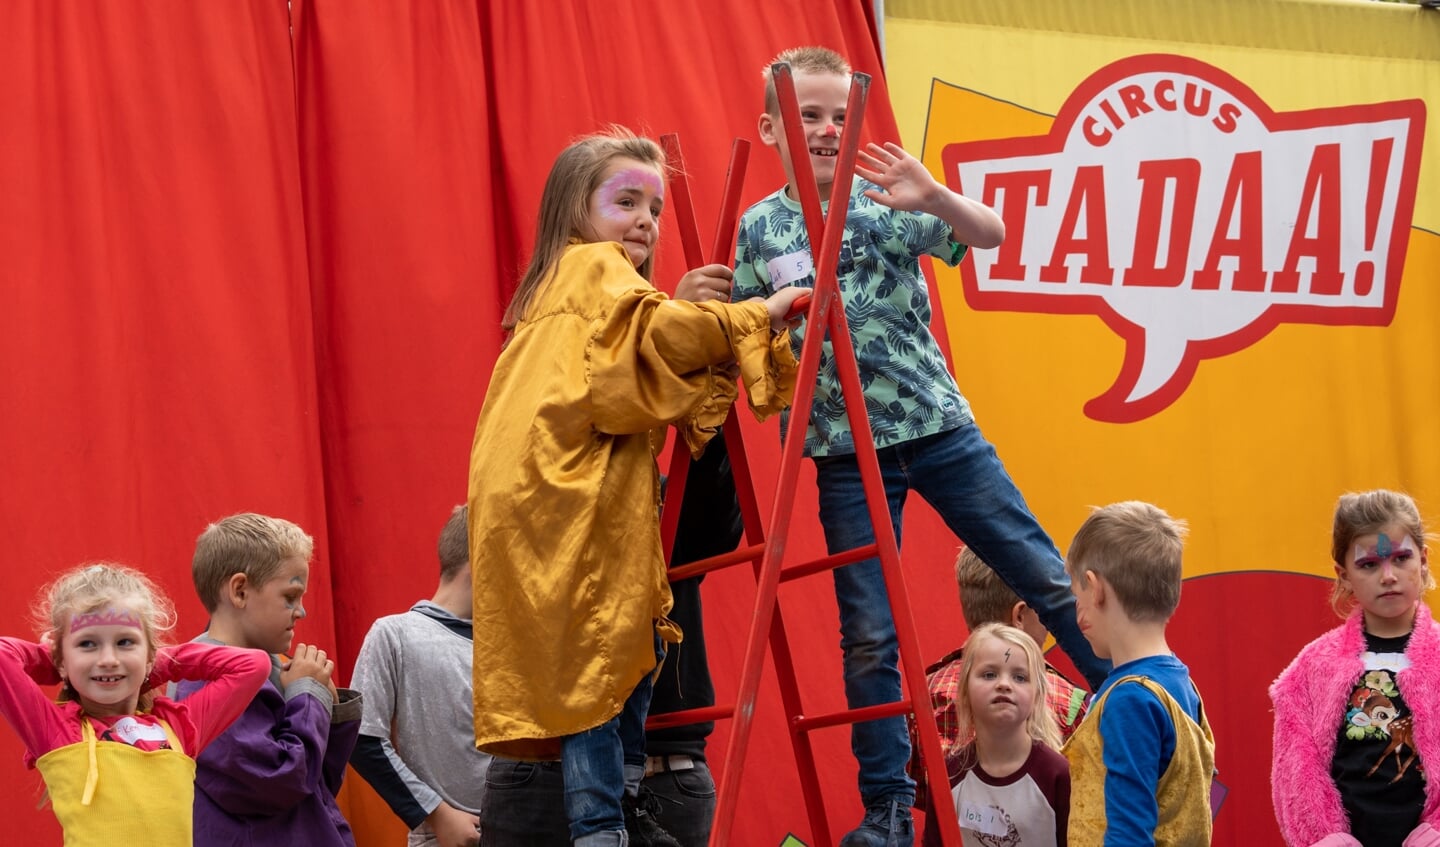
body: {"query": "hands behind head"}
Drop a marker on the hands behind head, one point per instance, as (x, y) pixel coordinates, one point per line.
(309, 660)
(704, 284)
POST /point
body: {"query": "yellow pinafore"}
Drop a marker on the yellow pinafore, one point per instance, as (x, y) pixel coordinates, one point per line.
(106, 793)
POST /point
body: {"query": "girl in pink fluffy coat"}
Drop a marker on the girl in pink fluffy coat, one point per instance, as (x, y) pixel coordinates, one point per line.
(1357, 713)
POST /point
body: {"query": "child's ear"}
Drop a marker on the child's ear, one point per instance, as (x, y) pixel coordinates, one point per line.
(1097, 588)
(235, 589)
(1017, 614)
(769, 130)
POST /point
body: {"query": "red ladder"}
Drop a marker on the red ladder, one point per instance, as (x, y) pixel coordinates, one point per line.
(826, 311)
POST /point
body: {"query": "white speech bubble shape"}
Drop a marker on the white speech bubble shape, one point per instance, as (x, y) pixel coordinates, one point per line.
(1171, 201)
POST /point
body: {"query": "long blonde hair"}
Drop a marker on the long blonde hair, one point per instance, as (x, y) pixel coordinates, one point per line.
(1041, 725)
(565, 205)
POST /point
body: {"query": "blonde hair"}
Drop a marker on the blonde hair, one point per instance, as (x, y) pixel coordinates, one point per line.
(1041, 725)
(91, 587)
(1363, 513)
(1137, 548)
(247, 543)
(984, 596)
(810, 60)
(565, 206)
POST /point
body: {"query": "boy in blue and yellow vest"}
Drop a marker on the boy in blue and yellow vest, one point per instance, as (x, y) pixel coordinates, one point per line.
(1142, 760)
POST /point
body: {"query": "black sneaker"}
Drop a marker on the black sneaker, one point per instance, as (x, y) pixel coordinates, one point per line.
(641, 821)
(887, 823)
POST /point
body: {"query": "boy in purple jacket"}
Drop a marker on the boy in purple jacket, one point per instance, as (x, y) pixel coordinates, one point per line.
(271, 778)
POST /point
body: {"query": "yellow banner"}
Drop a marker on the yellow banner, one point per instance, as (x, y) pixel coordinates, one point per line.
(1218, 290)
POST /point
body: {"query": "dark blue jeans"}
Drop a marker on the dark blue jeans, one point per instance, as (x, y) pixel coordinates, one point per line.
(525, 804)
(593, 763)
(958, 473)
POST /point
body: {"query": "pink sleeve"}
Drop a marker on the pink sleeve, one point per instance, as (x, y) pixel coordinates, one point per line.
(40, 723)
(232, 675)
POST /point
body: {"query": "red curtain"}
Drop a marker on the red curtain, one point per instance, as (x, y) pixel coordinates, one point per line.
(255, 257)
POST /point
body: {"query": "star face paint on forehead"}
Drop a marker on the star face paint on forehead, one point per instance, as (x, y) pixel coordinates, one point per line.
(1384, 550)
(108, 617)
(632, 183)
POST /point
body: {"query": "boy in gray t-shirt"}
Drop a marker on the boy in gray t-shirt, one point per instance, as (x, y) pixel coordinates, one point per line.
(415, 671)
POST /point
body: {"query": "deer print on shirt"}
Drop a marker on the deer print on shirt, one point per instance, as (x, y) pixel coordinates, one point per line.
(1373, 714)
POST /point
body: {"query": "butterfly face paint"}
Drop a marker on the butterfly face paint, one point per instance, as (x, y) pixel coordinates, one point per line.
(1386, 573)
(626, 208)
(1384, 549)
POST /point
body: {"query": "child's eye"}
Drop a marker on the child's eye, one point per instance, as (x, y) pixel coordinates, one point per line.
(86, 644)
(1403, 557)
(1020, 677)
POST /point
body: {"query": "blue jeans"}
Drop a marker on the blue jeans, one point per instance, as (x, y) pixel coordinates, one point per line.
(958, 473)
(593, 763)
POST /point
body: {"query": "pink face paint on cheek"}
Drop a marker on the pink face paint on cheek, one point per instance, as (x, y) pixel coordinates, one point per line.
(108, 617)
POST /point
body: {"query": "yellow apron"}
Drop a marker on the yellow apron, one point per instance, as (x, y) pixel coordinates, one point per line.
(1183, 794)
(106, 793)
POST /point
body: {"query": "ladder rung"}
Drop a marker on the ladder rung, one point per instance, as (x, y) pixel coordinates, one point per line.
(715, 563)
(689, 716)
(868, 713)
(830, 563)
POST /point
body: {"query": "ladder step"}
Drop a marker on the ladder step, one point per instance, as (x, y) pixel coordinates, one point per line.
(848, 716)
(753, 553)
(830, 563)
(735, 557)
(689, 716)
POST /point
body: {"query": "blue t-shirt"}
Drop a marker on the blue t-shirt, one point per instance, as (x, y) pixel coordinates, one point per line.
(909, 392)
(1139, 743)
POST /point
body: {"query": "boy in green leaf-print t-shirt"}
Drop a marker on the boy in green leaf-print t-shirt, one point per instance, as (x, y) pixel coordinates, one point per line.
(927, 439)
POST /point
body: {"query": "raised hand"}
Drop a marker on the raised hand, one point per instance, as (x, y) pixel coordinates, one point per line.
(908, 185)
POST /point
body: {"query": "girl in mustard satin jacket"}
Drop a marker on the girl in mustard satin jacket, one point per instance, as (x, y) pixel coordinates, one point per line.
(570, 585)
(118, 759)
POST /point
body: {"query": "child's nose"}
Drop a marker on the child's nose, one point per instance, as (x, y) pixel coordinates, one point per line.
(830, 130)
